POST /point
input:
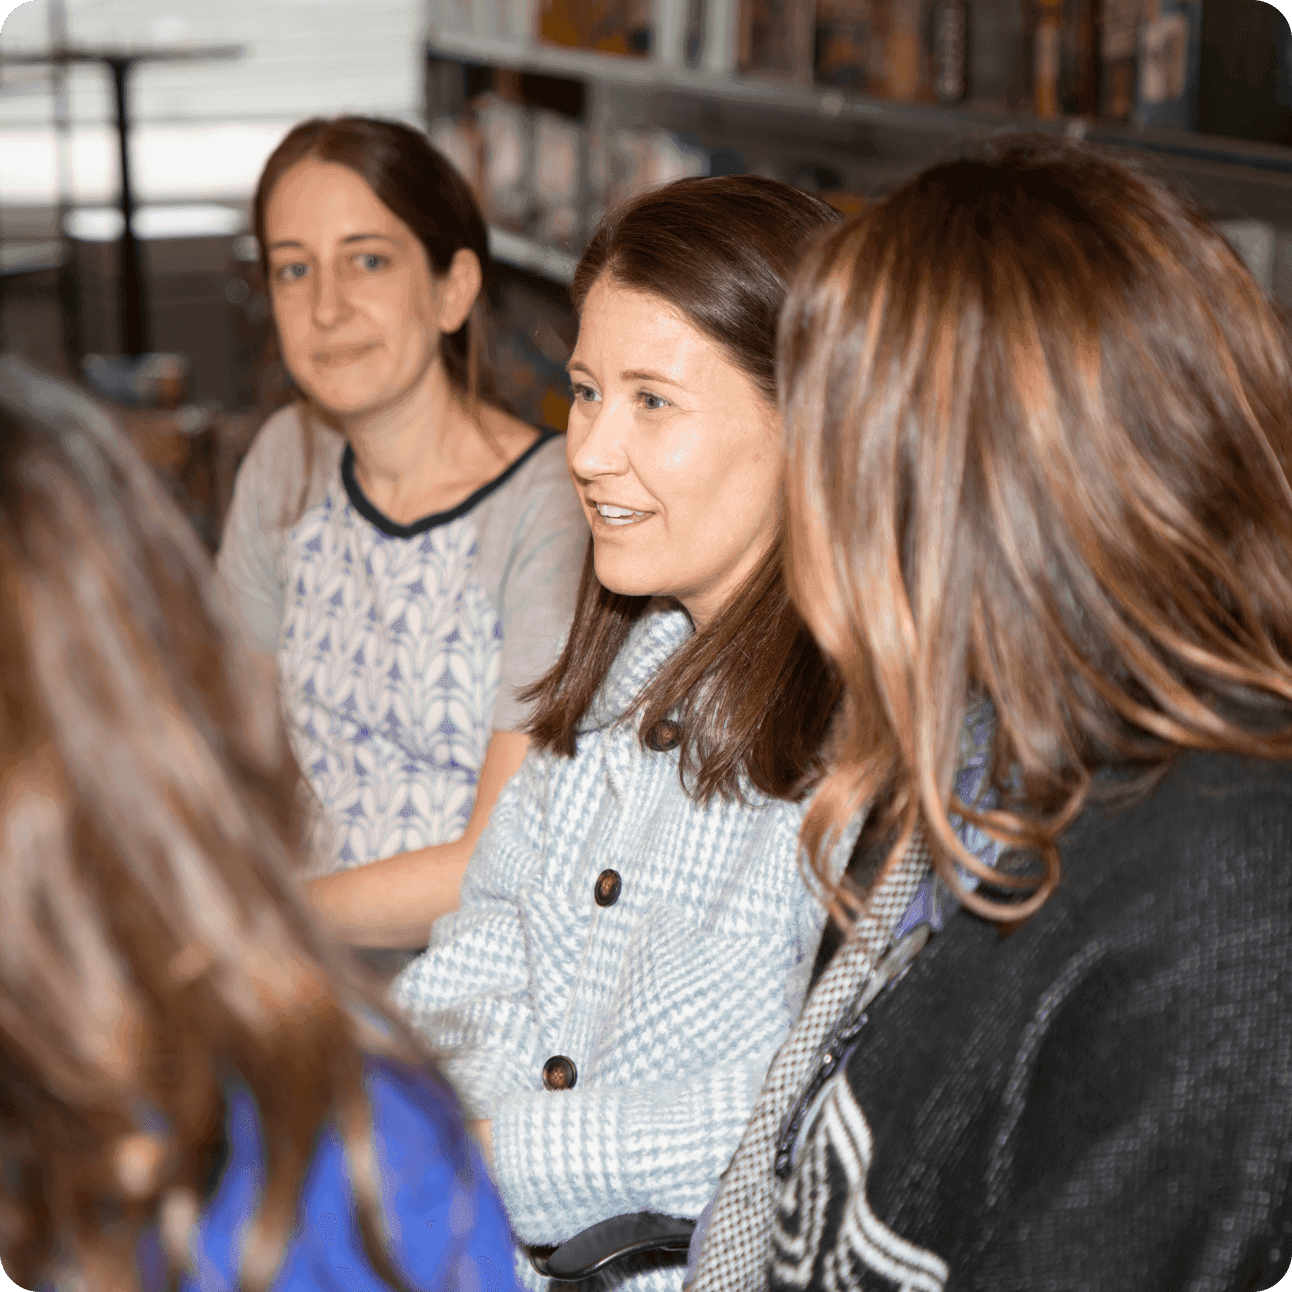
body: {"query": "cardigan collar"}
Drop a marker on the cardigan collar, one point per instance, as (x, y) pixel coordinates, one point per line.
(654, 637)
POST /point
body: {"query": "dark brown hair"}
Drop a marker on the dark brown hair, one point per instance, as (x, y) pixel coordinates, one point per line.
(156, 946)
(1038, 418)
(421, 187)
(751, 690)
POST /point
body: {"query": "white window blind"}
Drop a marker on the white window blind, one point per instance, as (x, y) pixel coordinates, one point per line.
(202, 128)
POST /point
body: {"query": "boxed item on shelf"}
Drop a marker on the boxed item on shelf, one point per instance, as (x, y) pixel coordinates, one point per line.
(558, 179)
(775, 38)
(460, 140)
(948, 25)
(1079, 59)
(508, 139)
(1170, 47)
(641, 159)
(897, 64)
(613, 26)
(842, 43)
(488, 19)
(693, 32)
(1044, 28)
(1119, 22)
(907, 70)
(1062, 62)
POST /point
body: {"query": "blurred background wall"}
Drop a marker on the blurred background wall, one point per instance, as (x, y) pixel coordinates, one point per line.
(554, 110)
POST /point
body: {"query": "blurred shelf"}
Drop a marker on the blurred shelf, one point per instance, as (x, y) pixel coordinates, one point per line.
(536, 258)
(929, 119)
(18, 259)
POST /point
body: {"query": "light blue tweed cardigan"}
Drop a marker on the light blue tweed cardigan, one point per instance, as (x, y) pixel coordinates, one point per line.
(671, 1003)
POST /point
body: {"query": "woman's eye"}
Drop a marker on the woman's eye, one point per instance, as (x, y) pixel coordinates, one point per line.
(652, 401)
(585, 394)
(291, 273)
(370, 260)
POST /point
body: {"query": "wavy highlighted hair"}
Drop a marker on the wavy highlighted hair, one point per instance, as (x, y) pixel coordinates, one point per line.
(157, 950)
(1039, 422)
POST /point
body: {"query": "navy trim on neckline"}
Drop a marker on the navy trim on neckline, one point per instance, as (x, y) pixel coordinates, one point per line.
(388, 526)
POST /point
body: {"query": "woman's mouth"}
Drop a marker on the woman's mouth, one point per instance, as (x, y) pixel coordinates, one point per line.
(619, 515)
(340, 356)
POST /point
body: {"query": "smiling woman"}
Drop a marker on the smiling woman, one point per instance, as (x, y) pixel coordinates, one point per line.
(407, 549)
(634, 931)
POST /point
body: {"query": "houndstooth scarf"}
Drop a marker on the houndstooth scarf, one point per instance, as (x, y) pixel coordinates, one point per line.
(736, 1243)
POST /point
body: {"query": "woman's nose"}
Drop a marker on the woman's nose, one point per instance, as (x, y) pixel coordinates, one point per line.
(330, 306)
(601, 450)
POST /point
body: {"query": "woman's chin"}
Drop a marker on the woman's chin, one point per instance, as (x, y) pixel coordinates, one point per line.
(342, 401)
(619, 577)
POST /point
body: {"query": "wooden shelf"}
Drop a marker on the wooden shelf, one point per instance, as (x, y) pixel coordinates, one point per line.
(951, 122)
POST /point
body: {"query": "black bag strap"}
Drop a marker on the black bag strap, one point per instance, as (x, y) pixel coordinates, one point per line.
(595, 1250)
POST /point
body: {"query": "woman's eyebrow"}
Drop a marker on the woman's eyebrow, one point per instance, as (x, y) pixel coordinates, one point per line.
(582, 367)
(648, 374)
(353, 237)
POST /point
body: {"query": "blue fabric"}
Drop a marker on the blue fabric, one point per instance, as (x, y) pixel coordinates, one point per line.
(445, 1232)
(934, 903)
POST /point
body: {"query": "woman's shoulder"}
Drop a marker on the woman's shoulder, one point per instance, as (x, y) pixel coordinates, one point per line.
(1206, 807)
(535, 460)
(431, 1178)
(289, 445)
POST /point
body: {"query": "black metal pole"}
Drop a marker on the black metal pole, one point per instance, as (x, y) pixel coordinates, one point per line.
(134, 322)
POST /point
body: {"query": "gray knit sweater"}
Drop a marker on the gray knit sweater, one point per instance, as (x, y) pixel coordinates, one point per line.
(670, 1002)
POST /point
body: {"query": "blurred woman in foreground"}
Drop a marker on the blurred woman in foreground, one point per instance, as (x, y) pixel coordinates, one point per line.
(190, 1077)
(1039, 421)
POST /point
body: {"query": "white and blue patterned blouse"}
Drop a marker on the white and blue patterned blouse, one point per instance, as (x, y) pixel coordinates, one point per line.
(400, 647)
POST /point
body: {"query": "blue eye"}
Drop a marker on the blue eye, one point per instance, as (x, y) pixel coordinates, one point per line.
(585, 394)
(370, 260)
(652, 401)
(291, 273)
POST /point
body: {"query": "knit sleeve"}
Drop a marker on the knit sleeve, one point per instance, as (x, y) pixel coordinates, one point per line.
(565, 1160)
(468, 994)
(247, 560)
(531, 557)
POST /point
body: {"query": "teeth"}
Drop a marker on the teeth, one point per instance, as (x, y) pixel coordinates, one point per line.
(615, 513)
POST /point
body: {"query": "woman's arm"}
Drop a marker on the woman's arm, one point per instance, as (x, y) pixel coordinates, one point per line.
(468, 994)
(393, 903)
(566, 1160)
(269, 486)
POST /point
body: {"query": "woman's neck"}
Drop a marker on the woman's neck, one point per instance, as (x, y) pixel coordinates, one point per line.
(412, 455)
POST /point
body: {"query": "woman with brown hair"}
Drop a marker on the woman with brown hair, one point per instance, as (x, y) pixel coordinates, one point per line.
(635, 935)
(194, 1084)
(408, 551)
(1039, 424)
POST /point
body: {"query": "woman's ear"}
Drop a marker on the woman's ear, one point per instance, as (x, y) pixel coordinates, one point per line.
(459, 288)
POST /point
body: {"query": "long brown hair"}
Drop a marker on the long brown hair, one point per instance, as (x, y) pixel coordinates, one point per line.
(408, 175)
(1038, 418)
(752, 692)
(156, 947)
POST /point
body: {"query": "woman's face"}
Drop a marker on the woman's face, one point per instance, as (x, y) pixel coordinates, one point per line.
(674, 451)
(359, 312)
